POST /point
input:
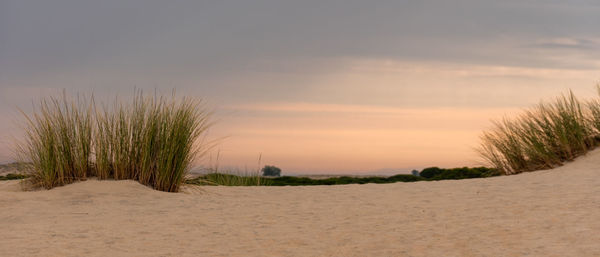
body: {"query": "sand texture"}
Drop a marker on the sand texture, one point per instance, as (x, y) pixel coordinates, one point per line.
(545, 213)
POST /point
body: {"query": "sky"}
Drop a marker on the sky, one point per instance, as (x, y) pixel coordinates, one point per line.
(309, 86)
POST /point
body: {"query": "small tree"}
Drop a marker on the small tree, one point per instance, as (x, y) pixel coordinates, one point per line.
(415, 173)
(271, 171)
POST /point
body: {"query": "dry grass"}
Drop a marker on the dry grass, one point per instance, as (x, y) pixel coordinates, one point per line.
(154, 139)
(544, 136)
(229, 179)
(57, 141)
(236, 177)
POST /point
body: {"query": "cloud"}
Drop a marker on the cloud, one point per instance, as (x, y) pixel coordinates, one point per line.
(583, 45)
(229, 37)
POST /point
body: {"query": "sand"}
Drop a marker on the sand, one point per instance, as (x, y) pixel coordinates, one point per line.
(545, 213)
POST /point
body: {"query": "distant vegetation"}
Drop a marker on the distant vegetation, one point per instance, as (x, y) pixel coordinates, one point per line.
(543, 137)
(435, 173)
(16, 170)
(11, 176)
(271, 171)
(236, 180)
(221, 179)
(428, 174)
(150, 139)
(303, 181)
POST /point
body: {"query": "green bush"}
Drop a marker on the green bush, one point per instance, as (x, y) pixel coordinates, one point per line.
(404, 178)
(430, 172)
(435, 173)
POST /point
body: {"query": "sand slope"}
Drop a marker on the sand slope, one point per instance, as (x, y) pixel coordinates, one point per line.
(546, 213)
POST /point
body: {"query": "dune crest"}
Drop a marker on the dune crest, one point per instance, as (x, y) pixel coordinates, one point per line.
(544, 213)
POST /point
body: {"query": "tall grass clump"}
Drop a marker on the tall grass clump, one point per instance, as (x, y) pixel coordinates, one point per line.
(594, 110)
(544, 136)
(151, 139)
(57, 142)
(177, 127)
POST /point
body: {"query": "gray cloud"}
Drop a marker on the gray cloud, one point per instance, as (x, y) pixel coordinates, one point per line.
(73, 32)
(275, 46)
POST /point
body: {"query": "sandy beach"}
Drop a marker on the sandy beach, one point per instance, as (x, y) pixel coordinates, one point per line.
(545, 213)
(299, 128)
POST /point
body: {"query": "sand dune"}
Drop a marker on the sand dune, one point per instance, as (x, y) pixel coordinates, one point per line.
(14, 168)
(545, 213)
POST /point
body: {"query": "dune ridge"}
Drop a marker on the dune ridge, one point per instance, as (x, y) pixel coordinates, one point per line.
(544, 213)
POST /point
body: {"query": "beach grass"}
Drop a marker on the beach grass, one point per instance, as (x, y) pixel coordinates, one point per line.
(543, 137)
(151, 139)
(57, 143)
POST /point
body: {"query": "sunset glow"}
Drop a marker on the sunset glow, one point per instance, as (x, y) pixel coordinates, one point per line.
(321, 91)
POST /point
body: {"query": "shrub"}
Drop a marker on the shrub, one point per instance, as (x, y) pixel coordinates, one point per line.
(465, 173)
(435, 173)
(404, 178)
(430, 172)
(271, 171)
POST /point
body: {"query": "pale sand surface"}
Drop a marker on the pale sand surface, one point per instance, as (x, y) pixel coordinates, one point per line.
(545, 213)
